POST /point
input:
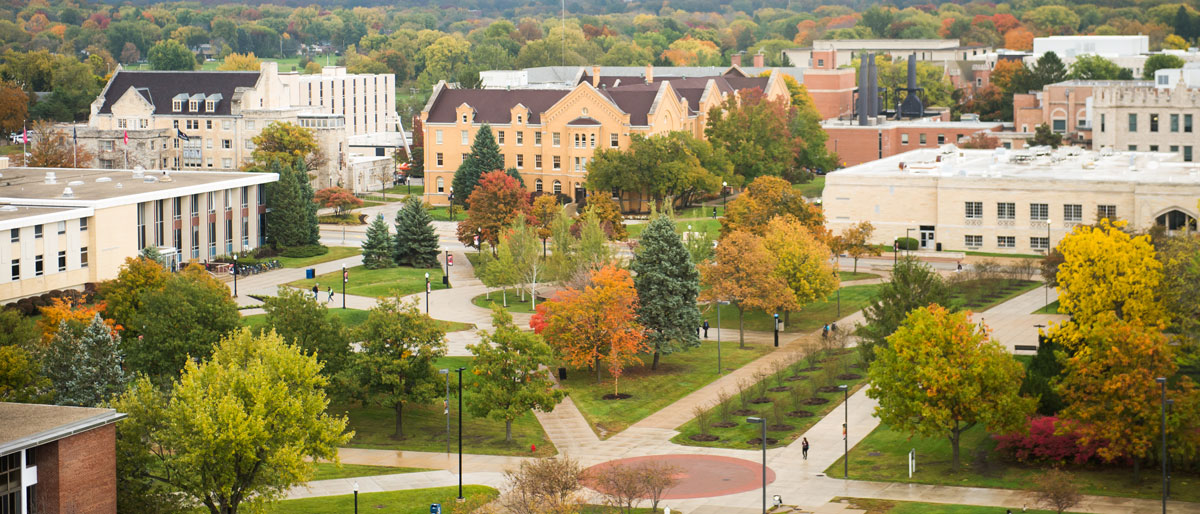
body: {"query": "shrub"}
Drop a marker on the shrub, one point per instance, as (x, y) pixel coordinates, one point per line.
(778, 372)
(304, 251)
(907, 243)
(703, 419)
(725, 407)
(1042, 443)
(745, 393)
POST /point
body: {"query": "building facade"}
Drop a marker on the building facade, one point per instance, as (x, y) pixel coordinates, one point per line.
(69, 227)
(1010, 201)
(846, 50)
(57, 460)
(1148, 119)
(857, 144)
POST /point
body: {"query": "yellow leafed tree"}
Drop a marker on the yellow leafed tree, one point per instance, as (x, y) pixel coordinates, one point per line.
(1106, 269)
(240, 62)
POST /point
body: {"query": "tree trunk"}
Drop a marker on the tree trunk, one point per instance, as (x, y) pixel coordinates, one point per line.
(654, 363)
(955, 436)
(597, 366)
(856, 264)
(787, 318)
(741, 333)
(508, 430)
(504, 295)
(399, 422)
(543, 248)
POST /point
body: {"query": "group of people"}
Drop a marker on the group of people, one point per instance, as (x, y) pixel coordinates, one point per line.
(316, 291)
(829, 327)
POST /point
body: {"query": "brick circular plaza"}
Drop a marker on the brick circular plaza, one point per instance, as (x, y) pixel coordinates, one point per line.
(701, 476)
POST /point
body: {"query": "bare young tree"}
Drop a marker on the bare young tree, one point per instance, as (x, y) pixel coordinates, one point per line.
(623, 486)
(703, 419)
(1056, 490)
(658, 477)
(551, 485)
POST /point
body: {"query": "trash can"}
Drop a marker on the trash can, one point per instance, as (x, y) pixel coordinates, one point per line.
(939, 247)
(310, 273)
(562, 373)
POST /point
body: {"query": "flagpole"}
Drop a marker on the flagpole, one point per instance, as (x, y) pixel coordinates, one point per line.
(24, 144)
(75, 146)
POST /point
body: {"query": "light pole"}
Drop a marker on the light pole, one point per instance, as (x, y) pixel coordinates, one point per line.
(1162, 381)
(895, 251)
(762, 422)
(777, 330)
(345, 279)
(235, 274)
(427, 287)
(355, 497)
(845, 432)
(446, 277)
(460, 472)
(719, 304)
(446, 407)
(1046, 286)
(724, 193)
(1170, 410)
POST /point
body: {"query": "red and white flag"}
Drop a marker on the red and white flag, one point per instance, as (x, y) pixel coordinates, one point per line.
(125, 137)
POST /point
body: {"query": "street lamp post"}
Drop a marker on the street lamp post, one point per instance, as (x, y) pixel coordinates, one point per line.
(356, 497)
(460, 472)
(762, 422)
(724, 193)
(846, 431)
(777, 330)
(235, 274)
(1170, 410)
(895, 251)
(1162, 381)
(446, 407)
(345, 279)
(427, 287)
(1046, 286)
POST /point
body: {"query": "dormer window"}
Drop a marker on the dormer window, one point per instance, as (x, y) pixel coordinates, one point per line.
(176, 106)
(193, 105)
(464, 117)
(519, 118)
(210, 106)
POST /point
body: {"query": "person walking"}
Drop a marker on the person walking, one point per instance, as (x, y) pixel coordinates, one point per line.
(706, 329)
(330, 299)
(316, 291)
(804, 448)
(825, 332)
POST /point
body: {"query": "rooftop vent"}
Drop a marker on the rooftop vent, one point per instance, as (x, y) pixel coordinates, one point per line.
(68, 193)
(103, 179)
(50, 178)
(75, 183)
(8, 208)
(149, 179)
(119, 186)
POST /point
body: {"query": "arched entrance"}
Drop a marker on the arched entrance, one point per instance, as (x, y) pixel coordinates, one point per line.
(1176, 219)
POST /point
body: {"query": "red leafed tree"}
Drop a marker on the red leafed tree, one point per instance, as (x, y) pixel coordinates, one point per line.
(496, 201)
(337, 198)
(595, 324)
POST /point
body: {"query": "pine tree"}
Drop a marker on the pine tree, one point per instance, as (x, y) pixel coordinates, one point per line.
(484, 157)
(307, 199)
(84, 364)
(292, 213)
(377, 249)
(667, 285)
(417, 244)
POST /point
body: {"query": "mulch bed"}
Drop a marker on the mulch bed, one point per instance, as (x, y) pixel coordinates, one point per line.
(780, 389)
(744, 412)
(726, 424)
(794, 378)
(842, 351)
(703, 437)
(816, 401)
(828, 389)
(809, 369)
(757, 441)
(622, 396)
(849, 376)
(799, 414)
(780, 428)
(763, 399)
(856, 365)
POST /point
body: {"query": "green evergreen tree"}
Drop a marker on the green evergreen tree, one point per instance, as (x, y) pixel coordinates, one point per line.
(417, 244)
(1043, 369)
(667, 285)
(84, 364)
(484, 157)
(1043, 136)
(913, 285)
(292, 213)
(378, 248)
(512, 172)
(308, 200)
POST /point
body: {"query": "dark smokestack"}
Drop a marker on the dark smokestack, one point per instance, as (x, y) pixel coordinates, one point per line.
(864, 90)
(912, 71)
(912, 106)
(874, 85)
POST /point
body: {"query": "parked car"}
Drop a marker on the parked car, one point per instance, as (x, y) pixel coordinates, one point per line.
(15, 138)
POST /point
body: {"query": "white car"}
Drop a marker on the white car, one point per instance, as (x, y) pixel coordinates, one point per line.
(15, 137)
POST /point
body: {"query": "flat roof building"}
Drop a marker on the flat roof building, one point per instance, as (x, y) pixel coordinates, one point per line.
(1010, 201)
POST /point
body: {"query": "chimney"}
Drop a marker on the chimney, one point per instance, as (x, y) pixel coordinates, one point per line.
(758, 59)
(649, 73)
(864, 90)
(595, 76)
(736, 60)
(872, 88)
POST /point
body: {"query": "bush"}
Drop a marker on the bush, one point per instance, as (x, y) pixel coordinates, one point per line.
(907, 243)
(298, 252)
(1042, 444)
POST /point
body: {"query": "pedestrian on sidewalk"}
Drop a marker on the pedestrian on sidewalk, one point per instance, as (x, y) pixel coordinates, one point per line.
(833, 327)
(825, 332)
(330, 299)
(316, 291)
(706, 329)
(804, 448)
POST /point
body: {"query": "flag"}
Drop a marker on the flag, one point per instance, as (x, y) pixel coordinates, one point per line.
(125, 137)
(180, 135)
(75, 135)
(24, 135)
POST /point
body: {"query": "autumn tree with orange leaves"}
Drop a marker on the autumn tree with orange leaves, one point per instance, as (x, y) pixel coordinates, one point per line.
(495, 203)
(594, 324)
(742, 272)
(70, 310)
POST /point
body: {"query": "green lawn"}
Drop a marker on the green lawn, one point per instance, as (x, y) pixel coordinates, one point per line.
(334, 253)
(350, 317)
(738, 436)
(347, 218)
(704, 211)
(443, 213)
(678, 375)
(285, 65)
(514, 301)
(983, 467)
(811, 317)
(377, 283)
(812, 188)
(848, 276)
(425, 425)
(698, 225)
(873, 506)
(981, 295)
(412, 501)
(1052, 308)
(329, 471)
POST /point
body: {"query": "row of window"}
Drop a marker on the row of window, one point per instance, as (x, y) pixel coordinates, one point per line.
(139, 123)
(15, 234)
(580, 140)
(1035, 243)
(537, 185)
(1187, 150)
(39, 265)
(1174, 120)
(941, 139)
(1039, 211)
(580, 163)
(159, 207)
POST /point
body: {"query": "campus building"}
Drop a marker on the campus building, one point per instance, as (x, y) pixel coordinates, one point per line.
(1010, 201)
(57, 460)
(70, 226)
(550, 134)
(846, 50)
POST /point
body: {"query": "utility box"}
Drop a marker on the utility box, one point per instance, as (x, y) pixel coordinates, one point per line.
(310, 273)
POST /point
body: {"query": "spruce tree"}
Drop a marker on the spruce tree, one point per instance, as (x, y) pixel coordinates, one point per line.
(292, 214)
(667, 285)
(484, 157)
(84, 364)
(377, 249)
(308, 200)
(417, 244)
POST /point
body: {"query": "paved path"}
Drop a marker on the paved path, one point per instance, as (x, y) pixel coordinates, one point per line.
(1014, 323)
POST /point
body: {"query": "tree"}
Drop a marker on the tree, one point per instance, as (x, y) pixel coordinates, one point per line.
(543, 213)
(509, 379)
(521, 242)
(1043, 136)
(766, 198)
(541, 486)
(303, 321)
(240, 428)
(1019, 39)
(289, 144)
(608, 214)
(21, 379)
(597, 322)
(70, 309)
(417, 157)
(668, 167)
(84, 363)
(14, 107)
(169, 54)
(1095, 67)
(855, 241)
(180, 321)
(123, 296)
(1056, 490)
(755, 134)
(499, 271)
(378, 248)
(802, 261)
(240, 62)
(917, 395)
(417, 245)
(1050, 20)
(667, 286)
(1180, 258)
(742, 273)
(484, 157)
(913, 285)
(395, 365)
(292, 212)
(337, 198)
(130, 53)
(1044, 369)
(496, 201)
(53, 148)
(1160, 62)
(1105, 269)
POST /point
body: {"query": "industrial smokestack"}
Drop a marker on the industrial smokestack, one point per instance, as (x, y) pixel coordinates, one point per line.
(864, 90)
(912, 106)
(912, 71)
(874, 85)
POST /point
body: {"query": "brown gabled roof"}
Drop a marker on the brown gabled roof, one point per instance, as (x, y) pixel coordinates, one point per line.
(740, 83)
(637, 103)
(493, 105)
(160, 88)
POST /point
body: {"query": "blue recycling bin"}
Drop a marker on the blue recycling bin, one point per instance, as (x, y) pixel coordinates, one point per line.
(310, 273)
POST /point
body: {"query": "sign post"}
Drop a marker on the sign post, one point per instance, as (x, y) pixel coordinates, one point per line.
(435, 508)
(912, 462)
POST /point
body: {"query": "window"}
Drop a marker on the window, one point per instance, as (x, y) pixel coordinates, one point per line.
(16, 269)
(249, 125)
(576, 140)
(520, 161)
(227, 163)
(14, 235)
(1108, 212)
(441, 185)
(556, 137)
(1073, 212)
(820, 63)
(437, 136)
(974, 210)
(941, 139)
(557, 187)
(613, 140)
(1133, 122)
(537, 161)
(904, 139)
(464, 116)
(1102, 122)
(208, 143)
(62, 227)
(1006, 241)
(1187, 154)
(227, 144)
(38, 268)
(1039, 211)
(195, 205)
(1154, 122)
(228, 236)
(226, 125)
(520, 138)
(1187, 122)
(245, 197)
(106, 146)
(1174, 148)
(466, 137)
(1132, 148)
(212, 239)
(499, 137)
(1006, 211)
(1060, 125)
(176, 208)
(62, 260)
(1153, 148)
(121, 123)
(212, 202)
(1174, 123)
(537, 185)
(1039, 243)
(1163, 80)
(557, 163)
(537, 139)
(83, 257)
(249, 144)
(593, 139)
(973, 241)
(176, 105)
(439, 159)
(37, 231)
(922, 139)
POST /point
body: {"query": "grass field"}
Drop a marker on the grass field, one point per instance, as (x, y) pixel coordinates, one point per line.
(285, 65)
(1052, 308)
(378, 283)
(709, 225)
(983, 467)
(981, 295)
(700, 212)
(678, 375)
(873, 506)
(425, 425)
(848, 276)
(347, 218)
(329, 471)
(334, 253)
(443, 213)
(412, 501)
(811, 317)
(514, 301)
(350, 317)
(812, 188)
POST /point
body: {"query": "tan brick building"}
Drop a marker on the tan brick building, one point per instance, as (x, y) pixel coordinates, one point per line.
(857, 144)
(1148, 119)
